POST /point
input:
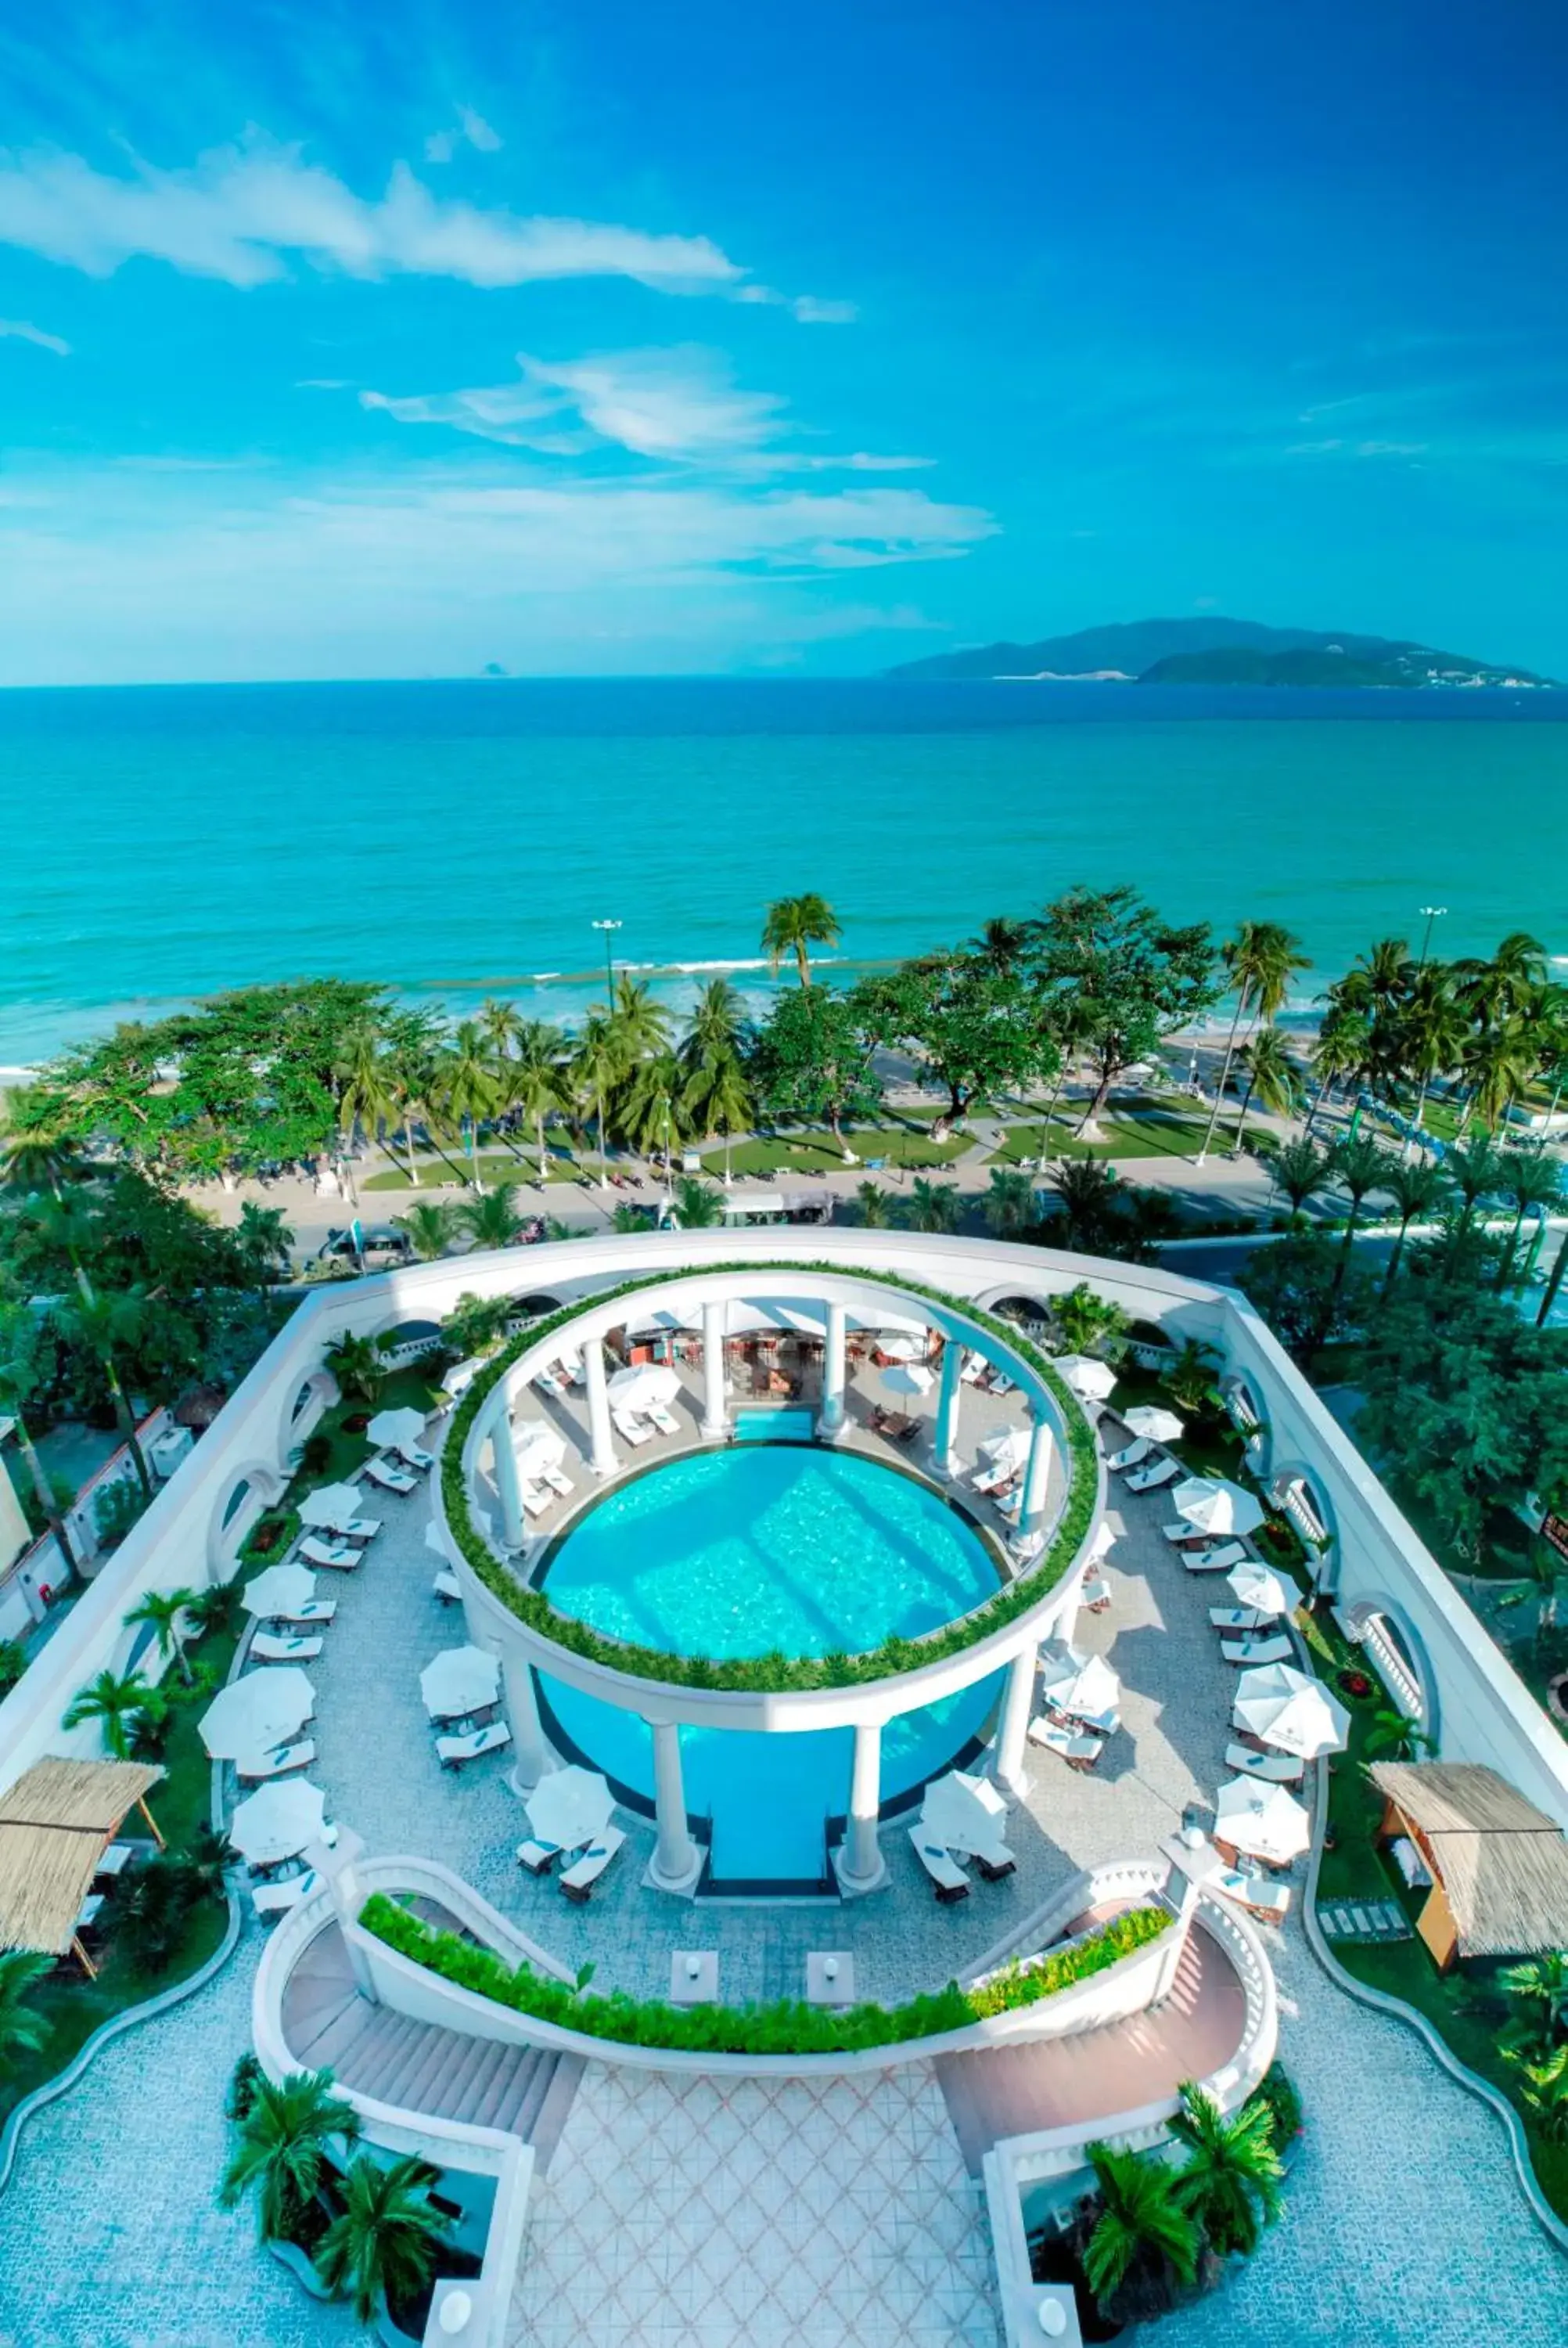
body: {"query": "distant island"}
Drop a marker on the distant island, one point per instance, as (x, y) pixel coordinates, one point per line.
(1213, 651)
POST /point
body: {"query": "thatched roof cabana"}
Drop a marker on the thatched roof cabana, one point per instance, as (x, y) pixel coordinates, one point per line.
(1499, 1866)
(56, 1823)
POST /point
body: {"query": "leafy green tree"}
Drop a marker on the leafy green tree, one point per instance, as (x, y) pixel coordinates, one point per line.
(156, 1910)
(1090, 1323)
(792, 925)
(23, 2029)
(973, 1028)
(1544, 2091)
(1417, 1189)
(22, 1379)
(380, 2249)
(1259, 962)
(1008, 1205)
(359, 1367)
(1088, 1192)
(1141, 2240)
(1232, 2181)
(468, 1087)
(493, 1221)
(1300, 1170)
(1135, 977)
(115, 1700)
(812, 1059)
(696, 1204)
(1529, 1180)
(933, 1206)
(164, 1611)
(293, 2127)
(1539, 1992)
(98, 1326)
(38, 1148)
(1396, 1736)
(874, 1206)
(1300, 1286)
(429, 1229)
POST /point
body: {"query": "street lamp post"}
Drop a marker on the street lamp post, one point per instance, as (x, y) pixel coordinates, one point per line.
(1433, 913)
(608, 929)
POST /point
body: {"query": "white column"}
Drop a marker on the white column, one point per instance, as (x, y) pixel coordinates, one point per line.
(830, 1420)
(1036, 1477)
(715, 1417)
(945, 1442)
(605, 1462)
(527, 1730)
(861, 1866)
(508, 1482)
(677, 1862)
(1012, 1731)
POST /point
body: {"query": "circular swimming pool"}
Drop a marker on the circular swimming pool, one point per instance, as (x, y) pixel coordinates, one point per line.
(769, 1547)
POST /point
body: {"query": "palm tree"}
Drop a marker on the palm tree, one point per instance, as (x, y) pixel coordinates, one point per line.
(933, 1206)
(717, 1027)
(37, 1151)
(1501, 1062)
(500, 1023)
(413, 1085)
(1417, 1189)
(1087, 1189)
(596, 1067)
(532, 1083)
(1300, 1170)
(367, 1095)
(1142, 2235)
(164, 1611)
(1498, 990)
(1002, 944)
(23, 2029)
(1474, 1167)
(1272, 1075)
(695, 1205)
(381, 2247)
(650, 1107)
(1342, 1055)
(428, 1228)
(639, 1026)
(1549, 1015)
(1396, 1736)
(469, 1087)
(294, 2126)
(1260, 960)
(1531, 1180)
(1543, 2089)
(1553, 1282)
(263, 1238)
(1232, 2182)
(718, 1098)
(1539, 1988)
(1360, 1166)
(1008, 1205)
(793, 924)
(1378, 981)
(1088, 1323)
(1432, 1032)
(22, 1375)
(359, 1367)
(493, 1221)
(874, 1206)
(99, 1325)
(114, 1701)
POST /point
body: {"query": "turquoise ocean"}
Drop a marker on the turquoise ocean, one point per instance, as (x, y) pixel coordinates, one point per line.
(457, 840)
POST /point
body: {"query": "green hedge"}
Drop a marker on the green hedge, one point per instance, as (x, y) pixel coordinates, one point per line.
(774, 1672)
(787, 2027)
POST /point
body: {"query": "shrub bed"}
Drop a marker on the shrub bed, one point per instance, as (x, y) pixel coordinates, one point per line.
(787, 2027)
(775, 1672)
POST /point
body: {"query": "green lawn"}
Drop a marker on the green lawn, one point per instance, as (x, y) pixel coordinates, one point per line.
(817, 1153)
(1146, 1130)
(76, 2006)
(495, 1165)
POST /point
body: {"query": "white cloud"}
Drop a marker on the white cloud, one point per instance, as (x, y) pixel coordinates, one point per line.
(812, 311)
(18, 330)
(242, 213)
(471, 129)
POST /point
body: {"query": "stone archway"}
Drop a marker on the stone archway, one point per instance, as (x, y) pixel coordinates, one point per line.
(248, 1492)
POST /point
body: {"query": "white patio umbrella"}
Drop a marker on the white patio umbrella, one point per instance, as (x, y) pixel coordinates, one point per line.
(965, 1811)
(279, 1591)
(901, 1349)
(278, 1820)
(333, 1505)
(1084, 1685)
(1155, 1425)
(1091, 1380)
(643, 1384)
(909, 1377)
(396, 1427)
(1260, 1588)
(262, 1709)
(570, 1806)
(1287, 1709)
(538, 1446)
(1213, 1504)
(1264, 1821)
(1007, 1449)
(459, 1680)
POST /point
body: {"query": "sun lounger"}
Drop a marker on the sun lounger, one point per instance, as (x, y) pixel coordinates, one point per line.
(1148, 1479)
(1082, 1752)
(1215, 1561)
(1132, 1456)
(390, 1478)
(535, 1502)
(339, 1555)
(630, 1430)
(1277, 1768)
(1253, 1892)
(447, 1587)
(539, 1858)
(663, 1419)
(948, 1878)
(973, 1371)
(116, 1859)
(1247, 1651)
(362, 1528)
(277, 1899)
(580, 1876)
(87, 1914)
(412, 1457)
(547, 1383)
(277, 1762)
(995, 1863)
(992, 1479)
(265, 1649)
(1096, 1596)
(574, 1373)
(1236, 1618)
(314, 1610)
(454, 1751)
(1001, 1384)
(560, 1485)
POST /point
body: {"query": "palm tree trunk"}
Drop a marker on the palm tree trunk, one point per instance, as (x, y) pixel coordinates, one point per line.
(1416, 1122)
(408, 1146)
(473, 1125)
(1546, 1127)
(1394, 1258)
(41, 1488)
(728, 1176)
(1555, 1281)
(1245, 1104)
(544, 1158)
(1225, 1075)
(603, 1146)
(1102, 1095)
(801, 963)
(1505, 1267)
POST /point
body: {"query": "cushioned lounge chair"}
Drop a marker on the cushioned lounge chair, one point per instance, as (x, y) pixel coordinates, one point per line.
(580, 1876)
(1073, 1746)
(1253, 1892)
(1250, 1652)
(452, 1751)
(390, 1478)
(278, 1761)
(339, 1555)
(266, 1648)
(1133, 1456)
(1277, 1768)
(947, 1877)
(1148, 1479)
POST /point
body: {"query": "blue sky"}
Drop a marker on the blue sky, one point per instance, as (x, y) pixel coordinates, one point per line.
(337, 340)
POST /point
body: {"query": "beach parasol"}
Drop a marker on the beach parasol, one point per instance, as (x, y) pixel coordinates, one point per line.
(643, 1385)
(569, 1806)
(395, 1428)
(1091, 1380)
(964, 1813)
(1264, 1821)
(1082, 1685)
(259, 1710)
(907, 1378)
(1155, 1425)
(281, 1589)
(277, 1821)
(460, 1680)
(1288, 1710)
(334, 1506)
(1260, 1588)
(1213, 1504)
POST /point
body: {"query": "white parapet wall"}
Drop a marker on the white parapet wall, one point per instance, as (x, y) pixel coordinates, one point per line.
(1377, 1567)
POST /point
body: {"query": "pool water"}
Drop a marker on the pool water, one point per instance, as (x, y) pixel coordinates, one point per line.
(734, 1553)
(743, 1550)
(779, 1425)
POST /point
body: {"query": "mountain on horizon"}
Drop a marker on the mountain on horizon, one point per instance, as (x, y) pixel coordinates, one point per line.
(1212, 650)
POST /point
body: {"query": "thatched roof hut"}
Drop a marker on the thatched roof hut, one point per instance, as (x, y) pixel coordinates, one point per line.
(56, 1823)
(1498, 1865)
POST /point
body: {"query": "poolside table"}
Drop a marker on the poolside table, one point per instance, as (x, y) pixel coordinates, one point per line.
(824, 1989)
(695, 1987)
